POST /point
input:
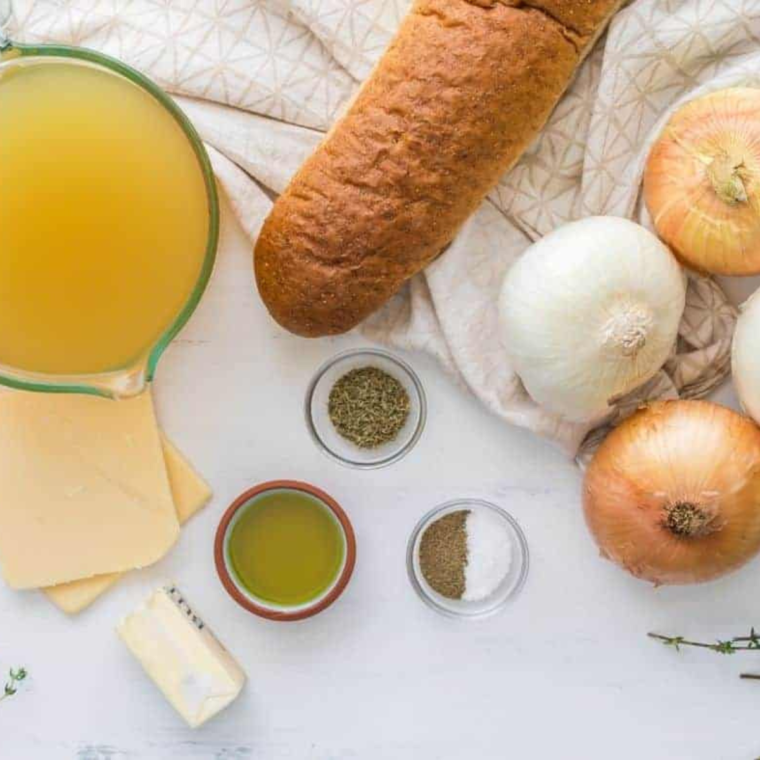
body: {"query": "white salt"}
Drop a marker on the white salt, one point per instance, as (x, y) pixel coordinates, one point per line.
(489, 554)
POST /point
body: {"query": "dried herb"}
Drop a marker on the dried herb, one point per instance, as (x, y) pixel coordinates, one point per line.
(443, 554)
(368, 407)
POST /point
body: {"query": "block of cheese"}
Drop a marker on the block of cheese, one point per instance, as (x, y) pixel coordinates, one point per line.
(190, 494)
(83, 488)
(186, 661)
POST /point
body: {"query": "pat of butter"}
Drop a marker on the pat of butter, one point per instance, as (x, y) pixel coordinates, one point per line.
(186, 661)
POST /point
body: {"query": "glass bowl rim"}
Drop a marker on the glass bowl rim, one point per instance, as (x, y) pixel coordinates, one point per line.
(405, 369)
(88, 383)
(462, 503)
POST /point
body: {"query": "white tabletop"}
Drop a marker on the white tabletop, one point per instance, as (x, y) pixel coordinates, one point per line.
(566, 671)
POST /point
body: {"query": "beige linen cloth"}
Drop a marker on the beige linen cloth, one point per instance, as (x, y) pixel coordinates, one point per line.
(263, 79)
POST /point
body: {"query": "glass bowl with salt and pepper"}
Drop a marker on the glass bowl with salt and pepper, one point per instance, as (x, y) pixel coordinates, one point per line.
(467, 558)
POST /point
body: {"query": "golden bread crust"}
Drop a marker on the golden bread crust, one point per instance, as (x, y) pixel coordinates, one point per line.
(460, 94)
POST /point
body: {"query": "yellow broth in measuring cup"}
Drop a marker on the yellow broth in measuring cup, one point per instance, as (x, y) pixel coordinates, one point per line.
(105, 218)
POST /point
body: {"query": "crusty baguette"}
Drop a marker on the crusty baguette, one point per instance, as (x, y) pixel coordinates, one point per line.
(461, 92)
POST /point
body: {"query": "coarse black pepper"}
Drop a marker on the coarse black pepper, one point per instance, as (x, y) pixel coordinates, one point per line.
(443, 554)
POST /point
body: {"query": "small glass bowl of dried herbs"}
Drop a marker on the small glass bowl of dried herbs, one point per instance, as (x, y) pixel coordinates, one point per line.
(365, 408)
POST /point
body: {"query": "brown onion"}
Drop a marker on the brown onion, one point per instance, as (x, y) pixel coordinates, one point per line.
(702, 182)
(673, 493)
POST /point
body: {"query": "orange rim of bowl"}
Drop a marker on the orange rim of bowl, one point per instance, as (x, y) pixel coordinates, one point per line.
(284, 615)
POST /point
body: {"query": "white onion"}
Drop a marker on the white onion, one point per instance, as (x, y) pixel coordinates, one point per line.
(745, 356)
(591, 312)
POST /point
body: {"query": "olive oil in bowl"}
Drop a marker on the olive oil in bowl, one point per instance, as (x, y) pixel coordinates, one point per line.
(286, 548)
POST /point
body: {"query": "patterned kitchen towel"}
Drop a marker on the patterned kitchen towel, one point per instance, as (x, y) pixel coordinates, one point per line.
(263, 79)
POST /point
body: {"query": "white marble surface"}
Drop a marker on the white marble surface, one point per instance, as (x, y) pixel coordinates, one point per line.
(565, 672)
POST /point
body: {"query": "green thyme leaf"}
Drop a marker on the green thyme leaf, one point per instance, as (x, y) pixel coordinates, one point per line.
(15, 677)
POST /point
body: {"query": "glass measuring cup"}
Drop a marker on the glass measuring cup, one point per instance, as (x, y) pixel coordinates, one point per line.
(128, 380)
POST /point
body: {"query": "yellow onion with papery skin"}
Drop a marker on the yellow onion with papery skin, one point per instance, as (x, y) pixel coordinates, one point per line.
(673, 493)
(702, 183)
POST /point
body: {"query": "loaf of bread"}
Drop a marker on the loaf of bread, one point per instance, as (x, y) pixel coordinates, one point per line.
(460, 94)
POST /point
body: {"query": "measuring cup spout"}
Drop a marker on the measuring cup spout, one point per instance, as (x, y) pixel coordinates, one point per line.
(124, 384)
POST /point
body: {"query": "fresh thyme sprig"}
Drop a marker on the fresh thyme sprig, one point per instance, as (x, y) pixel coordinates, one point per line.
(15, 677)
(721, 646)
(729, 646)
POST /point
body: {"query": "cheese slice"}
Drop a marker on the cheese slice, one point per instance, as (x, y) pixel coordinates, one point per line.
(190, 494)
(189, 490)
(186, 661)
(83, 488)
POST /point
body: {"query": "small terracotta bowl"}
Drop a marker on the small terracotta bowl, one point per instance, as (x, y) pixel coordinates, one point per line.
(266, 609)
